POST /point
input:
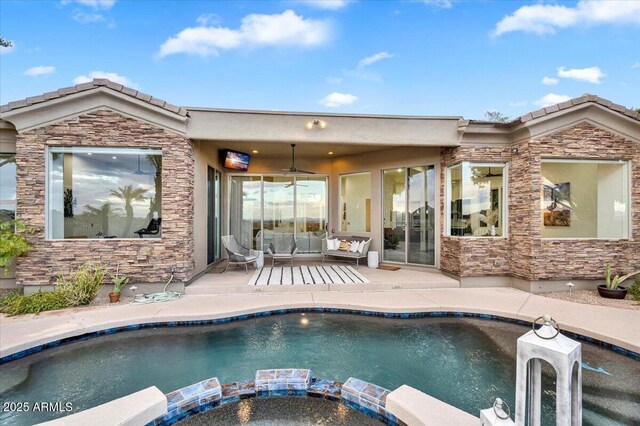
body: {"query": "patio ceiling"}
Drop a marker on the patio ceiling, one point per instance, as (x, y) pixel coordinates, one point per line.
(304, 150)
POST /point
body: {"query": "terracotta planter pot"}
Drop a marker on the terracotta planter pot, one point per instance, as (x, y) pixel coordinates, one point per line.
(618, 293)
(114, 297)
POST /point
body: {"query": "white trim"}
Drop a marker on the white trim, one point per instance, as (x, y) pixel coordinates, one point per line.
(49, 150)
(505, 198)
(103, 150)
(340, 176)
(627, 165)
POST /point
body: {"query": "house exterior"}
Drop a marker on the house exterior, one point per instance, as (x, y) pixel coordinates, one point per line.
(551, 196)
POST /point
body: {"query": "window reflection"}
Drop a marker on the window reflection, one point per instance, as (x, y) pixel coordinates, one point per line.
(103, 193)
(476, 200)
(7, 187)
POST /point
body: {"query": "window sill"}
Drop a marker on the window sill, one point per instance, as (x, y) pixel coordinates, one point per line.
(585, 239)
(102, 239)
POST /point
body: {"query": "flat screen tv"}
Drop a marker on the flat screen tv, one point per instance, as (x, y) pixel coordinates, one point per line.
(235, 160)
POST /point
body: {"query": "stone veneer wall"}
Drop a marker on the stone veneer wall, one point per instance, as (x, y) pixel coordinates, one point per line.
(585, 259)
(143, 260)
(526, 255)
(472, 257)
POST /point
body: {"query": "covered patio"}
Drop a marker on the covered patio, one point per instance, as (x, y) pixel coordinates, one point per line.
(238, 281)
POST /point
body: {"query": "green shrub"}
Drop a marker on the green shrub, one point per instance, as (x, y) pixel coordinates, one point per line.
(13, 242)
(9, 299)
(634, 289)
(80, 287)
(34, 303)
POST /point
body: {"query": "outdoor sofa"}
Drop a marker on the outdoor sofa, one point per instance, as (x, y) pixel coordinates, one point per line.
(357, 255)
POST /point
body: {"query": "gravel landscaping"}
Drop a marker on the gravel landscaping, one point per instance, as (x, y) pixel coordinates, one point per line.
(591, 297)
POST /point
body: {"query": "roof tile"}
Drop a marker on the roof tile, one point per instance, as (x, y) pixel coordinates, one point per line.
(95, 83)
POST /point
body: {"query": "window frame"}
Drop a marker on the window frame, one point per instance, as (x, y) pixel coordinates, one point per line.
(15, 177)
(339, 216)
(230, 176)
(64, 149)
(629, 225)
(505, 198)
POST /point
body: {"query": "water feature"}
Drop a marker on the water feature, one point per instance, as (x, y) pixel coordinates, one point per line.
(463, 361)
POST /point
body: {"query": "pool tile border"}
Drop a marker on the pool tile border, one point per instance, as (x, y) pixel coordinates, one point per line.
(356, 394)
(21, 354)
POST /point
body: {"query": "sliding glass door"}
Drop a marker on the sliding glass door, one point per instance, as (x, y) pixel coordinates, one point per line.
(261, 206)
(213, 215)
(409, 211)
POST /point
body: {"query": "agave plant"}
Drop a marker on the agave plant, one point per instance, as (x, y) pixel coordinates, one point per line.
(613, 284)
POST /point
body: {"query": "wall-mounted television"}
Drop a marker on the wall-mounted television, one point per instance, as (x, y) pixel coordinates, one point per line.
(235, 160)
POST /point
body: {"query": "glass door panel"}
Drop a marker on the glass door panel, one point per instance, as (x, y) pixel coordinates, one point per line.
(279, 215)
(213, 215)
(245, 210)
(421, 224)
(311, 213)
(394, 201)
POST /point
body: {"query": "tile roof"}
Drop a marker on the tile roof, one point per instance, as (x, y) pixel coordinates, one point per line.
(96, 83)
(587, 97)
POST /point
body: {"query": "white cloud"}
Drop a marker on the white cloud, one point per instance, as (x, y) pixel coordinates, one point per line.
(636, 65)
(208, 19)
(550, 81)
(327, 4)
(551, 99)
(87, 18)
(546, 18)
(7, 49)
(285, 29)
(592, 75)
(336, 99)
(334, 80)
(116, 78)
(518, 104)
(444, 4)
(374, 58)
(40, 70)
(96, 4)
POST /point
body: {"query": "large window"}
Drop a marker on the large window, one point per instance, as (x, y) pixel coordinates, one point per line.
(355, 202)
(584, 199)
(476, 200)
(7, 187)
(104, 193)
(261, 206)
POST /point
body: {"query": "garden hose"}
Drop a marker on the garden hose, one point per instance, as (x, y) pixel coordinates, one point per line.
(163, 296)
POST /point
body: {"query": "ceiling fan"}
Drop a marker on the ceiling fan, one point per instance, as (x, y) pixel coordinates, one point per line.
(293, 170)
(491, 174)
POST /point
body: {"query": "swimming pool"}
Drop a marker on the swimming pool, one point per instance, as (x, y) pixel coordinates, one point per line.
(463, 361)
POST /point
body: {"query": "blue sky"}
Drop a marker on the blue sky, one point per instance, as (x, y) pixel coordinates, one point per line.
(408, 57)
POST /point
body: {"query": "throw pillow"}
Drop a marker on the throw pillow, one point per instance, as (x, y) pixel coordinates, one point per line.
(354, 246)
(344, 245)
(333, 244)
(362, 244)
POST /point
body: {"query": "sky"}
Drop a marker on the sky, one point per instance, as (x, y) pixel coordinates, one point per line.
(432, 57)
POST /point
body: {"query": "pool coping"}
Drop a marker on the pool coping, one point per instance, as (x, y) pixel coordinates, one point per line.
(612, 328)
(402, 315)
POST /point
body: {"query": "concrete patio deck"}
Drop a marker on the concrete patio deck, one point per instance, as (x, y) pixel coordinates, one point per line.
(237, 280)
(619, 327)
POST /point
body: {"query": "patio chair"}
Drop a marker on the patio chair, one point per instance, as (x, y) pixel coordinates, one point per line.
(282, 247)
(238, 255)
(153, 228)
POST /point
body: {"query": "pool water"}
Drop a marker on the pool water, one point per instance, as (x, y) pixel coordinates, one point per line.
(463, 361)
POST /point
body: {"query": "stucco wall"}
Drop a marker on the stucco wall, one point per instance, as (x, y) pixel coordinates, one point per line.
(529, 256)
(144, 260)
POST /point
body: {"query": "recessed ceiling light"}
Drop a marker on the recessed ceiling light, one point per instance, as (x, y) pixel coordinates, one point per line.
(255, 151)
(114, 157)
(88, 153)
(330, 152)
(399, 170)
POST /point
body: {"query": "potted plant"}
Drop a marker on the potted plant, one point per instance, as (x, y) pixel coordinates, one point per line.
(611, 289)
(119, 282)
